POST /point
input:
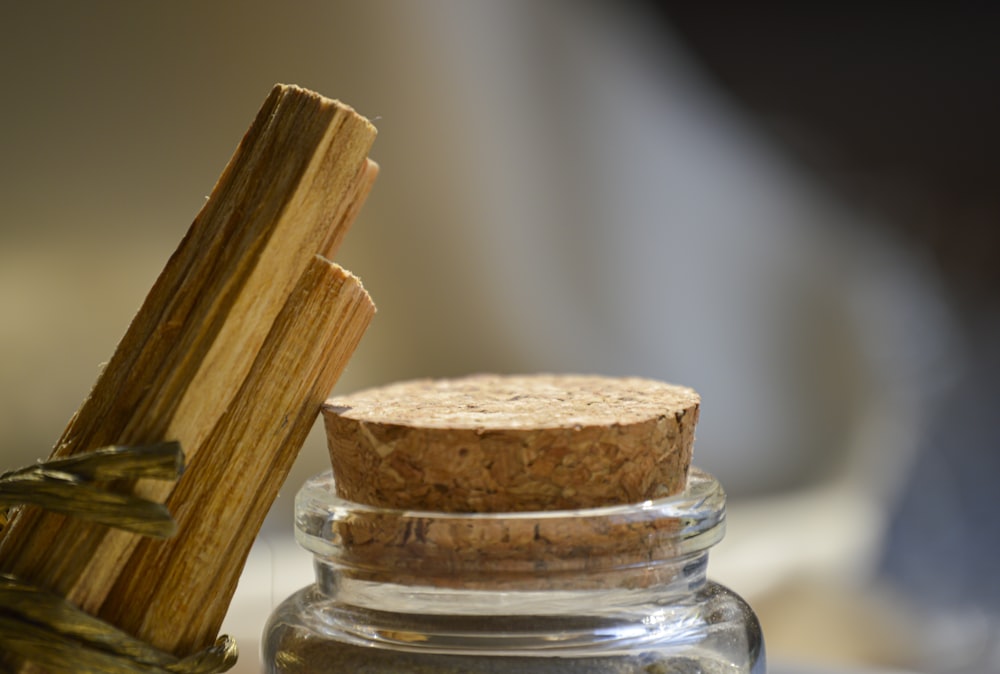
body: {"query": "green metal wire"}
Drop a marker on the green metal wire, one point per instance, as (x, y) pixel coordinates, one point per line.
(42, 627)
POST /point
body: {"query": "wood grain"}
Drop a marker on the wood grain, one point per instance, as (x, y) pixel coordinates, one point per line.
(241, 336)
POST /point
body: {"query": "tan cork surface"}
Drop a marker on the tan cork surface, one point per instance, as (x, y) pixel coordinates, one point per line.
(491, 443)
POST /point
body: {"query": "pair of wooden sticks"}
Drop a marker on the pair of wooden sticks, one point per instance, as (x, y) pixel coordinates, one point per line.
(232, 353)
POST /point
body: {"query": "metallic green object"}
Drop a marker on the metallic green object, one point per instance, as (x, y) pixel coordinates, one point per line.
(75, 486)
(42, 627)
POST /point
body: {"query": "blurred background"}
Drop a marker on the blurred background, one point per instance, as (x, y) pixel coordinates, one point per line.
(794, 211)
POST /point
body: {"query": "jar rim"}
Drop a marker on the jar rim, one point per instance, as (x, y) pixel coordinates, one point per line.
(687, 522)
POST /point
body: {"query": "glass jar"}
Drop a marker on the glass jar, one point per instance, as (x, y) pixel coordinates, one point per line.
(615, 590)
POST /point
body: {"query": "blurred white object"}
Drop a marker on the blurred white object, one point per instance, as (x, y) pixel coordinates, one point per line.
(629, 220)
(615, 213)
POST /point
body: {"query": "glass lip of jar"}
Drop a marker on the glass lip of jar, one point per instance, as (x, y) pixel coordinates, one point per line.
(697, 515)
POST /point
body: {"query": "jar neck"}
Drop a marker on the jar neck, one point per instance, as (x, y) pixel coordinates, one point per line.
(376, 557)
(611, 592)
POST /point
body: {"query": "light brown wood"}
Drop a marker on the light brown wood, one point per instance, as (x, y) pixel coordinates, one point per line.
(241, 332)
(363, 185)
(492, 443)
(224, 495)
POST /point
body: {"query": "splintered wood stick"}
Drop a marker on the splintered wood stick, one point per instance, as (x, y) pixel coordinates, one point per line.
(300, 361)
(240, 338)
(363, 185)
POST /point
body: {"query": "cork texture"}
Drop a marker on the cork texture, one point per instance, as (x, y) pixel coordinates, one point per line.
(492, 443)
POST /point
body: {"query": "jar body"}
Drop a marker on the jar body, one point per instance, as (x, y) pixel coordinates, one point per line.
(600, 610)
(711, 631)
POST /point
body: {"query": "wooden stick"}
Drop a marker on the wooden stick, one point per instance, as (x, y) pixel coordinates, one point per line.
(299, 363)
(364, 183)
(195, 349)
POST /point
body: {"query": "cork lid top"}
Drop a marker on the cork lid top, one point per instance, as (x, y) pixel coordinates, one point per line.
(491, 443)
(495, 403)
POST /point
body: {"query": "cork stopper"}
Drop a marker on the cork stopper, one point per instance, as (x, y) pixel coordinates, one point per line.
(490, 443)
